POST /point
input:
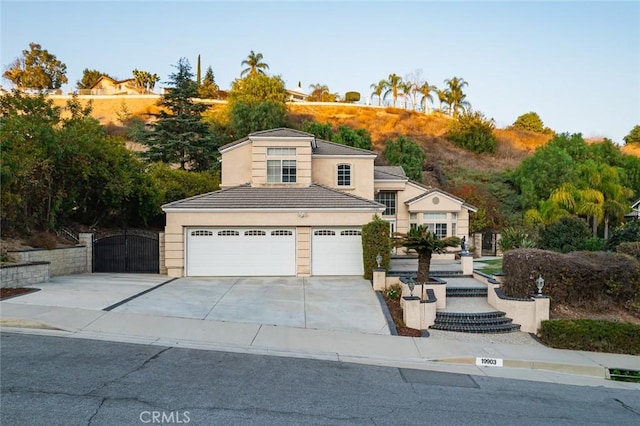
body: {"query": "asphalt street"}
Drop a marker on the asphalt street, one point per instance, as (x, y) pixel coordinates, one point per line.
(64, 381)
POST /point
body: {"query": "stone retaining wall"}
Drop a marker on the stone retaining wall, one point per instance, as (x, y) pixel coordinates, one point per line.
(20, 275)
(63, 261)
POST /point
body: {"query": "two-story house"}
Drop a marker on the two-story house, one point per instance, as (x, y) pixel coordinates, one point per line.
(108, 86)
(293, 205)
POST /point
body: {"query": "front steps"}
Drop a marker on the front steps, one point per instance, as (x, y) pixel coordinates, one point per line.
(474, 322)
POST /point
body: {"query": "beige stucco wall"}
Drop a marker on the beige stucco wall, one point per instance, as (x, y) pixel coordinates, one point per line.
(325, 172)
(236, 166)
(178, 221)
(259, 161)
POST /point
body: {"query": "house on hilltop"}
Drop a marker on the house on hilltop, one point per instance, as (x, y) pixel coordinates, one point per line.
(291, 204)
(108, 86)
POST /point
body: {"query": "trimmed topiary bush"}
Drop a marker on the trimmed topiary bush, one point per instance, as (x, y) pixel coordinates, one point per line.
(578, 278)
(375, 239)
(567, 234)
(592, 335)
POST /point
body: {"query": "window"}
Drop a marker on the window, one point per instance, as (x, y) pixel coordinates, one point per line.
(281, 233)
(344, 174)
(438, 223)
(413, 220)
(454, 224)
(228, 233)
(350, 232)
(201, 233)
(389, 200)
(324, 232)
(281, 170)
(254, 233)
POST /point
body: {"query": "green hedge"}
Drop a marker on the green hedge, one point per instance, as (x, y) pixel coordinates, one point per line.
(375, 239)
(592, 335)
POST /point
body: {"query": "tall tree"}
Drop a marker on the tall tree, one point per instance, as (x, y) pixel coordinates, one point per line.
(89, 78)
(145, 81)
(256, 102)
(37, 69)
(254, 64)
(208, 89)
(179, 136)
(633, 136)
(425, 90)
(321, 93)
(198, 75)
(425, 243)
(393, 86)
(378, 89)
(407, 88)
(455, 96)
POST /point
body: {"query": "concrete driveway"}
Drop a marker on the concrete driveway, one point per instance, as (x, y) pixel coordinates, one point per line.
(326, 303)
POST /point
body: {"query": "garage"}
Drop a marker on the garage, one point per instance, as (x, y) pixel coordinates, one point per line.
(336, 251)
(220, 252)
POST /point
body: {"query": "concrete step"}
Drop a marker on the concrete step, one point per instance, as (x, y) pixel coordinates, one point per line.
(474, 322)
(466, 292)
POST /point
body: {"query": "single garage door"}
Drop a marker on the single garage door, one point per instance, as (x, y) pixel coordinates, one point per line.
(226, 252)
(336, 251)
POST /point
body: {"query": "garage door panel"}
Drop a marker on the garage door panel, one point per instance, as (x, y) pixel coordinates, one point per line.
(241, 252)
(336, 251)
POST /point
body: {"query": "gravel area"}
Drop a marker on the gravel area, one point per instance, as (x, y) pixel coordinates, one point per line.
(515, 338)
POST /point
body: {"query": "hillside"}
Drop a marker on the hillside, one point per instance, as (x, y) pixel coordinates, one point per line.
(383, 123)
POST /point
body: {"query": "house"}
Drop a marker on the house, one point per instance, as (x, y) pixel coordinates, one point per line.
(292, 204)
(296, 95)
(635, 210)
(108, 86)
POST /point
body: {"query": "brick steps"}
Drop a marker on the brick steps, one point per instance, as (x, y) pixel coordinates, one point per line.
(474, 322)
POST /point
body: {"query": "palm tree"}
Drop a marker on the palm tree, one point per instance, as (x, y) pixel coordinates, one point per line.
(254, 64)
(320, 93)
(377, 90)
(548, 212)
(425, 243)
(392, 84)
(407, 87)
(442, 99)
(425, 90)
(455, 95)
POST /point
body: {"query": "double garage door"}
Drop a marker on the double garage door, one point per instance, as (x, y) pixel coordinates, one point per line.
(270, 251)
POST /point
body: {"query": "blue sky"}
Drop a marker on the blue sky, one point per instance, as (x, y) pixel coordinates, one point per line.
(577, 64)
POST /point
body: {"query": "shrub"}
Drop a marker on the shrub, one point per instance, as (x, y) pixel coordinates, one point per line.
(474, 132)
(632, 249)
(629, 232)
(407, 153)
(352, 97)
(531, 122)
(375, 239)
(633, 136)
(592, 335)
(567, 234)
(593, 244)
(513, 238)
(577, 279)
(393, 292)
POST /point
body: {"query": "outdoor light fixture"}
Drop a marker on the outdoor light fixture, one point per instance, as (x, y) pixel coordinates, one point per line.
(411, 285)
(540, 285)
(301, 214)
(378, 259)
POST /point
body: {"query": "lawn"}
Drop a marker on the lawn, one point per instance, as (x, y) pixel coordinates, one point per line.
(492, 266)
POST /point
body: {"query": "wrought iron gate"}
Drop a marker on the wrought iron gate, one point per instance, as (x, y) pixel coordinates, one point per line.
(126, 253)
(489, 244)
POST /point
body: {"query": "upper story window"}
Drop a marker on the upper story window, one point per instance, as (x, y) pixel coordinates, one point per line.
(344, 174)
(388, 198)
(280, 169)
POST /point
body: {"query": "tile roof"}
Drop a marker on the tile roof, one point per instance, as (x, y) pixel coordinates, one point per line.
(282, 132)
(331, 148)
(320, 147)
(440, 191)
(389, 173)
(247, 197)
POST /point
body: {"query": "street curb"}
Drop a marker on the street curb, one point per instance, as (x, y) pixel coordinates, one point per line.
(577, 369)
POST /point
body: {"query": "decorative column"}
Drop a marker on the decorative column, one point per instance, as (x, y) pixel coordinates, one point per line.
(86, 239)
(379, 279)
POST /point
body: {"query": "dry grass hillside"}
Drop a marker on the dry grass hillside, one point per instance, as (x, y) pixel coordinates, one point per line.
(383, 123)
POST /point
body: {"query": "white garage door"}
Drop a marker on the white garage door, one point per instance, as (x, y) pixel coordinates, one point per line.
(240, 252)
(336, 251)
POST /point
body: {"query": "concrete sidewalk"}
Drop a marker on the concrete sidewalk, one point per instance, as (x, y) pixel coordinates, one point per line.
(527, 362)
